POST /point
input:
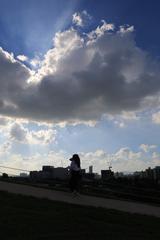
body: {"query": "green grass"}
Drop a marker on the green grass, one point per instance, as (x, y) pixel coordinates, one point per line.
(28, 218)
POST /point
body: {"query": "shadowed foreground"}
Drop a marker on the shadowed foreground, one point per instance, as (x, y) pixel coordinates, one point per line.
(127, 206)
(23, 217)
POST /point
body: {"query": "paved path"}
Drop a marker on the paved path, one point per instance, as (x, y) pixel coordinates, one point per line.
(131, 207)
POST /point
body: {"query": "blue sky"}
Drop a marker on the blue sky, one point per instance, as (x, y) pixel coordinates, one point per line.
(29, 26)
(113, 115)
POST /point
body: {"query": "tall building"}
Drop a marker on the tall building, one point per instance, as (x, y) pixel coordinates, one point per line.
(90, 169)
(107, 174)
(156, 173)
(48, 168)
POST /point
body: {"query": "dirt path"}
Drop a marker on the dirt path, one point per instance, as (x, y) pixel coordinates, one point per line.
(125, 206)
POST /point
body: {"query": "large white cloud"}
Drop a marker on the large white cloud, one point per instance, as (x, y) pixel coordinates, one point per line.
(122, 160)
(34, 162)
(18, 132)
(83, 77)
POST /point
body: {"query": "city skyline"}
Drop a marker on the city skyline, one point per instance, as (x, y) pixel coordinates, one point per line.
(11, 171)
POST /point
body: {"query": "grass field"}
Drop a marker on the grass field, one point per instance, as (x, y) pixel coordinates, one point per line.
(27, 218)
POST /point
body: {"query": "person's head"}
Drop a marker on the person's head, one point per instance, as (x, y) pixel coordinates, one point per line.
(76, 158)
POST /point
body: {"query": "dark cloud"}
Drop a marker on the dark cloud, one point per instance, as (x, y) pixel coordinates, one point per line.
(18, 133)
(109, 74)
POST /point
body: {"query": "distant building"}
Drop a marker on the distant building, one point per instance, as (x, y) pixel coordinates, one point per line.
(97, 176)
(24, 175)
(35, 175)
(83, 171)
(156, 173)
(47, 168)
(89, 176)
(49, 172)
(107, 174)
(61, 173)
(90, 169)
(119, 174)
(149, 173)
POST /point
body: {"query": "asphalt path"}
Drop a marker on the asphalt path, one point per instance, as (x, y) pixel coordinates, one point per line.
(126, 206)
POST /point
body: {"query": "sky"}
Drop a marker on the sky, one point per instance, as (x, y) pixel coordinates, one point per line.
(80, 76)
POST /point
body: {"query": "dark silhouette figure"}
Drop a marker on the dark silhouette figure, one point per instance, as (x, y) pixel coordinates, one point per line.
(75, 174)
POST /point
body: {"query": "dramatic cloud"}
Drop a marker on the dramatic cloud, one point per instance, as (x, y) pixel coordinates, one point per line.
(34, 162)
(3, 121)
(41, 137)
(35, 62)
(22, 134)
(81, 19)
(22, 58)
(12, 82)
(18, 133)
(83, 77)
(123, 160)
(121, 120)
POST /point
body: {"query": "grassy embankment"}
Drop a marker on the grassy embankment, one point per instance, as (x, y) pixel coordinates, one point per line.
(28, 218)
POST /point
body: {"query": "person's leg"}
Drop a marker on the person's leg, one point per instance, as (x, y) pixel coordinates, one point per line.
(77, 181)
(71, 183)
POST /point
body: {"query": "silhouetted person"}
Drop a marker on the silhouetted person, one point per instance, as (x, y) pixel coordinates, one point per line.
(75, 174)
